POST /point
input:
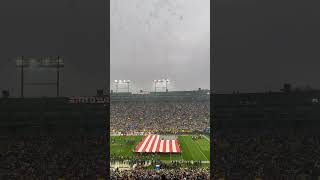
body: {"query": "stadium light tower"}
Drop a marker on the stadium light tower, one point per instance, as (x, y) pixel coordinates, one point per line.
(24, 62)
(122, 82)
(167, 81)
(161, 81)
(116, 81)
(155, 85)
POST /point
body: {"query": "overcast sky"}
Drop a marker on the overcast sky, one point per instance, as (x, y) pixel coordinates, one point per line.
(259, 44)
(155, 39)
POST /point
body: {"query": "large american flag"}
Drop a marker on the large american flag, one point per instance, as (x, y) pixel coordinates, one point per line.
(153, 144)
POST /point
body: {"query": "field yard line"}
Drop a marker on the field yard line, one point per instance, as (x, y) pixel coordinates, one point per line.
(206, 138)
(200, 150)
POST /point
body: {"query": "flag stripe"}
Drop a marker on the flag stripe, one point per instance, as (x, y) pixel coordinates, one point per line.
(145, 147)
(167, 146)
(151, 143)
(170, 145)
(174, 149)
(161, 146)
(158, 147)
(144, 143)
(141, 142)
(155, 145)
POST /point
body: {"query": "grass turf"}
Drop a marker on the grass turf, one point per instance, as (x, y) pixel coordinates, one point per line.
(121, 147)
(191, 149)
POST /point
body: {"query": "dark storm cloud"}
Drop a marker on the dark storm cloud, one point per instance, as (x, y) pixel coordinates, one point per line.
(262, 44)
(161, 39)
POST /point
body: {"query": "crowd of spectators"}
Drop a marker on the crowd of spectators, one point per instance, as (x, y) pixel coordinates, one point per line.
(162, 174)
(135, 159)
(163, 117)
(267, 154)
(44, 157)
(170, 116)
(152, 160)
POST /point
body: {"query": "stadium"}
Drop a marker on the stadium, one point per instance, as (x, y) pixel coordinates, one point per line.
(160, 133)
(56, 137)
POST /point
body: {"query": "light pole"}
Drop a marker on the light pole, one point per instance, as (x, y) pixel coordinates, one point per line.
(128, 84)
(167, 80)
(117, 83)
(155, 85)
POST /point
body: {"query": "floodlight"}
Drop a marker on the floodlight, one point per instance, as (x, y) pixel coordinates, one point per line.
(60, 61)
(33, 61)
(48, 62)
(115, 81)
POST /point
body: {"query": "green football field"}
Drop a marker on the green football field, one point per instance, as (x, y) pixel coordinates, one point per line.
(191, 149)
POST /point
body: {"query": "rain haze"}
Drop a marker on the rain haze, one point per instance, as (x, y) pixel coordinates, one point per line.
(156, 39)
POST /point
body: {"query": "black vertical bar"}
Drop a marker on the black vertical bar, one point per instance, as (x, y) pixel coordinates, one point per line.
(106, 23)
(22, 76)
(58, 77)
(166, 86)
(213, 122)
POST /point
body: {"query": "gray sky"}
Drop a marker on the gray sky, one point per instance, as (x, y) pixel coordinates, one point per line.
(155, 39)
(259, 44)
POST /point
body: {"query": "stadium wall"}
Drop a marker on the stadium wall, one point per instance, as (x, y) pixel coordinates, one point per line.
(272, 109)
(26, 115)
(175, 96)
